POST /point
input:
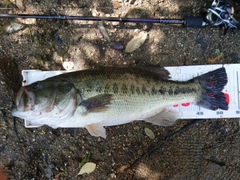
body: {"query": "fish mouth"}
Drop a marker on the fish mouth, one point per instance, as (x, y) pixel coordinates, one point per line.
(25, 100)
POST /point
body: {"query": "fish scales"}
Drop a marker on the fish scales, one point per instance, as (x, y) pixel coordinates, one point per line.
(111, 82)
(131, 93)
(96, 98)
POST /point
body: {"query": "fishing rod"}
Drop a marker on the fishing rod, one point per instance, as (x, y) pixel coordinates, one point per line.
(220, 13)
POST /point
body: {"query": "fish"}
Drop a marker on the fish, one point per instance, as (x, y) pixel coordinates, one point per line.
(96, 98)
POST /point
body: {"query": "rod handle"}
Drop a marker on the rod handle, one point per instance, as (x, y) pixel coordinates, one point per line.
(194, 21)
(198, 22)
(238, 20)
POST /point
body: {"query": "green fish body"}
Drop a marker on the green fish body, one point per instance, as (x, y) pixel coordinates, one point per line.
(95, 98)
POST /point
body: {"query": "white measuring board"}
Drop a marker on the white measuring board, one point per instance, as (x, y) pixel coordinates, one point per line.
(186, 110)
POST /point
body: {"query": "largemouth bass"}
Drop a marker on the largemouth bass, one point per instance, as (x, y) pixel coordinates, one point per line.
(95, 98)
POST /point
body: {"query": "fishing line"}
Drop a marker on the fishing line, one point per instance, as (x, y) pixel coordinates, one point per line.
(167, 139)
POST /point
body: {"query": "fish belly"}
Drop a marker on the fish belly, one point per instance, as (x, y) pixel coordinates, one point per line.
(124, 110)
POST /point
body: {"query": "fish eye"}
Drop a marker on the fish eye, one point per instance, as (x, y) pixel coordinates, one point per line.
(36, 85)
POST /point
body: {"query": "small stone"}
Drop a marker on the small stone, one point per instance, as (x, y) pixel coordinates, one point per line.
(28, 21)
(113, 175)
(116, 45)
(132, 1)
(68, 66)
(14, 27)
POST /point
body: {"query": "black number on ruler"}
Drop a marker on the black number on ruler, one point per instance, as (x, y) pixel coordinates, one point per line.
(237, 112)
(219, 112)
(199, 113)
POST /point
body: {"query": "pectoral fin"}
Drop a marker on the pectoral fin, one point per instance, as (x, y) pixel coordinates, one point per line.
(97, 130)
(165, 118)
(97, 103)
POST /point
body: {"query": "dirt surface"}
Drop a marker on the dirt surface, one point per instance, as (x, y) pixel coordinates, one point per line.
(207, 150)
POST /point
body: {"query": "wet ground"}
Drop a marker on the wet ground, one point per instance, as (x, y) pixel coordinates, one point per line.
(206, 150)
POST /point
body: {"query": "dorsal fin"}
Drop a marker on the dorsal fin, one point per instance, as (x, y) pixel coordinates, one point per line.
(158, 70)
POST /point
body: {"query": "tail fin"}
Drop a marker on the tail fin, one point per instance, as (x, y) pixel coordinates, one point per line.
(212, 84)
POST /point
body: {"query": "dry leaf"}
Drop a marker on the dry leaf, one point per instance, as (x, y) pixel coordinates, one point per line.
(103, 31)
(57, 177)
(116, 5)
(122, 168)
(149, 133)
(136, 41)
(215, 59)
(87, 168)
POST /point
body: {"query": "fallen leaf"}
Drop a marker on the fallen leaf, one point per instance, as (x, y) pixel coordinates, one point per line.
(57, 177)
(122, 168)
(87, 168)
(215, 59)
(149, 133)
(14, 27)
(116, 5)
(136, 41)
(103, 31)
(18, 3)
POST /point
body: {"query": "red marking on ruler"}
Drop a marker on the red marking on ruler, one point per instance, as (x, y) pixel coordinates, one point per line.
(227, 97)
(185, 104)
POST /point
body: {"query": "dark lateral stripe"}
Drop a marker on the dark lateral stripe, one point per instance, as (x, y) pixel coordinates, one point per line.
(115, 88)
(162, 90)
(183, 90)
(145, 90)
(154, 91)
(124, 89)
(132, 89)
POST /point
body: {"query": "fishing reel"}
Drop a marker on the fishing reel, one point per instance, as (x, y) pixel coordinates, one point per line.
(221, 13)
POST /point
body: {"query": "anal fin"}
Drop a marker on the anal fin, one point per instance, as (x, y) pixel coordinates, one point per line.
(166, 117)
(97, 130)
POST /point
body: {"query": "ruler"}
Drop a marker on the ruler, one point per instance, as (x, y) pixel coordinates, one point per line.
(188, 110)
(185, 110)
